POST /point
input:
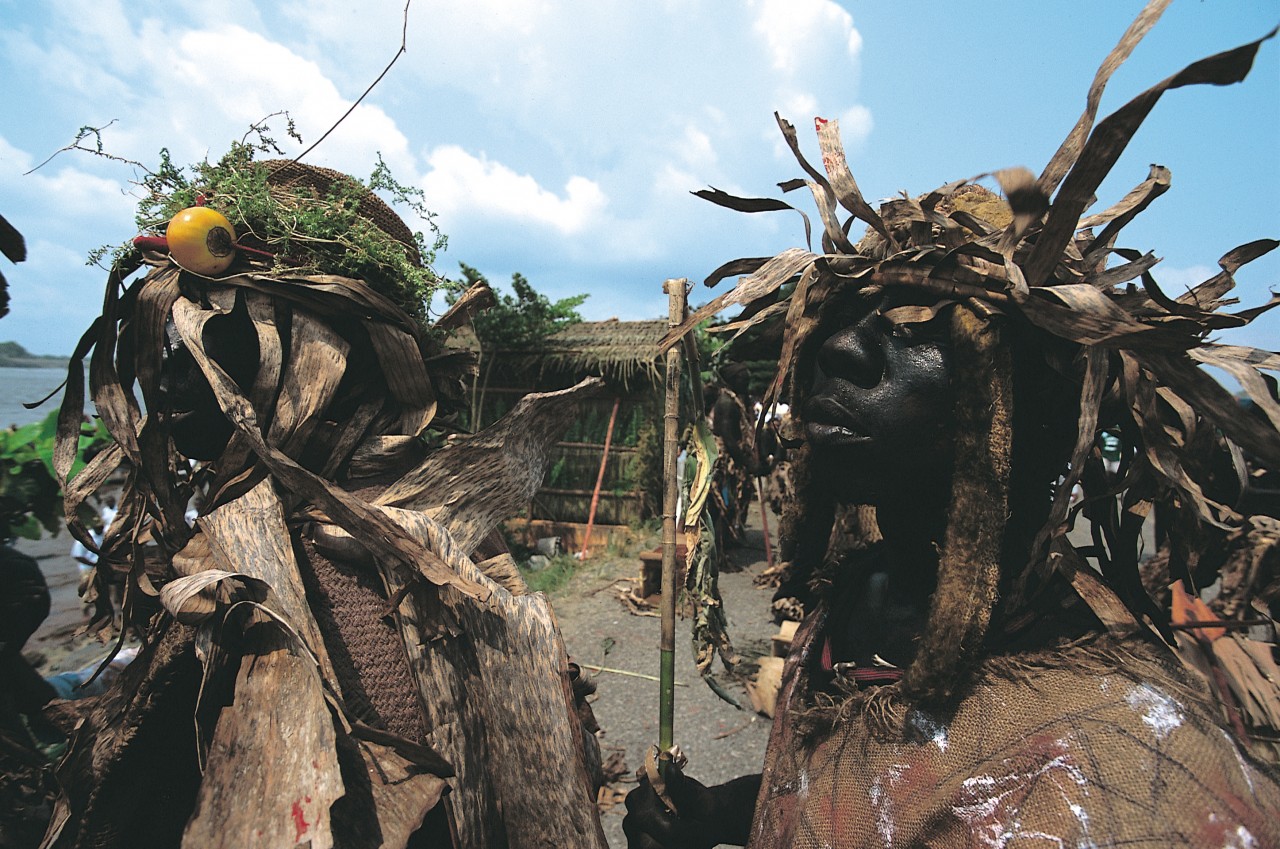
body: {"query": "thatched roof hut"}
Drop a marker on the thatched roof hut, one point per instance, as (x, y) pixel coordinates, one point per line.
(626, 355)
(619, 351)
(615, 350)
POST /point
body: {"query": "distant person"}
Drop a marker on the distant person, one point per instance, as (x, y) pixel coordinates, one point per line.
(24, 604)
(87, 558)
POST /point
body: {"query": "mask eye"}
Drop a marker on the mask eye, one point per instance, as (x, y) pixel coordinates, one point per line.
(934, 331)
(905, 332)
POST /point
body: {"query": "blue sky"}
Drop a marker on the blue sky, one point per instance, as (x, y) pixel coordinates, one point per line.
(561, 140)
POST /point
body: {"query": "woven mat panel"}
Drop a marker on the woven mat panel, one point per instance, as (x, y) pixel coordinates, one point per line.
(363, 643)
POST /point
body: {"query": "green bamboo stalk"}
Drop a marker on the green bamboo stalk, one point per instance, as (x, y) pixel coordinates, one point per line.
(676, 303)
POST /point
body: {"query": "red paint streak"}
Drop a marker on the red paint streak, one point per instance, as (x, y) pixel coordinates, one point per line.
(820, 122)
(300, 823)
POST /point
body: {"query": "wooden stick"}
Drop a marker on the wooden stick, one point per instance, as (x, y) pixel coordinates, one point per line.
(1232, 624)
(676, 296)
(764, 522)
(595, 495)
(625, 672)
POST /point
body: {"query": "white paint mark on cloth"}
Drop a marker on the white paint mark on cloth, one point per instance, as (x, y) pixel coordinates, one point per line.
(990, 804)
(1241, 838)
(1244, 839)
(1245, 769)
(882, 800)
(929, 728)
(1161, 713)
(1082, 817)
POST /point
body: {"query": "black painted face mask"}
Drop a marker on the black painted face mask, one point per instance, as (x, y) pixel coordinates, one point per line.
(879, 414)
(199, 428)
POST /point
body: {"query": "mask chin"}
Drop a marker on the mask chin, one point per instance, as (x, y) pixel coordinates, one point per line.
(888, 476)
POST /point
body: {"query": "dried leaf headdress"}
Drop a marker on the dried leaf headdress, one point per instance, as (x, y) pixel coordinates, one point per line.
(1038, 259)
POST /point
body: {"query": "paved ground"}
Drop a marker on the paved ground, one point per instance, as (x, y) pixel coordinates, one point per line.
(721, 741)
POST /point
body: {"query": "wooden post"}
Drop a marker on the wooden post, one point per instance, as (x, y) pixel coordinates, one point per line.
(676, 297)
(764, 523)
(595, 495)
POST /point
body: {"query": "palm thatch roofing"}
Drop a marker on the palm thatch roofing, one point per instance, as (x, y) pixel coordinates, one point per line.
(613, 349)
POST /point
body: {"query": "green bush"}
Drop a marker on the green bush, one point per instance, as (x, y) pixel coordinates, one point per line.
(30, 495)
(552, 577)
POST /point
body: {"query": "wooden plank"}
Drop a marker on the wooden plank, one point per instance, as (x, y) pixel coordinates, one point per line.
(587, 493)
(595, 448)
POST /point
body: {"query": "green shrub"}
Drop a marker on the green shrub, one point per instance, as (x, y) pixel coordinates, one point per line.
(30, 495)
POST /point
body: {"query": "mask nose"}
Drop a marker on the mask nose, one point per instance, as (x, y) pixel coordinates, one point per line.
(855, 353)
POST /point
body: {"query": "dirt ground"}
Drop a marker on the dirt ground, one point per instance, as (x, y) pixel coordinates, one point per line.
(722, 742)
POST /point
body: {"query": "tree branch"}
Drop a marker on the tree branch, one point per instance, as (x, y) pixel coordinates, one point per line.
(404, 36)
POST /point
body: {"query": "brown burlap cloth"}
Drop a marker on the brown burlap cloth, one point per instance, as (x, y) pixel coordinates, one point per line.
(1091, 745)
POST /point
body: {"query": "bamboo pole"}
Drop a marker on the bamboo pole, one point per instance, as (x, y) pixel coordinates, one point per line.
(595, 495)
(676, 301)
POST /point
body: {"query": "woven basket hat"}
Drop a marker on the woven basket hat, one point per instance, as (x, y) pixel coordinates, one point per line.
(295, 177)
(348, 353)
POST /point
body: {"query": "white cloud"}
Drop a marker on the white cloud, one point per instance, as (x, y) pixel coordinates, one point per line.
(696, 149)
(13, 159)
(461, 184)
(546, 136)
(672, 181)
(59, 189)
(1176, 281)
(215, 102)
(55, 297)
(82, 194)
(854, 42)
(794, 28)
(856, 125)
(800, 108)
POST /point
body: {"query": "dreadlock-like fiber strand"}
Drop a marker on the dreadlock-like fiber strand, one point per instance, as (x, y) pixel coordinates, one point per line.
(969, 563)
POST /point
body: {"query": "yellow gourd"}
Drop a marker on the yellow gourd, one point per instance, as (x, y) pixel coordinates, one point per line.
(201, 240)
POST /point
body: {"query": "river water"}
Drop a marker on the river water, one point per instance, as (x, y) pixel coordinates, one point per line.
(18, 385)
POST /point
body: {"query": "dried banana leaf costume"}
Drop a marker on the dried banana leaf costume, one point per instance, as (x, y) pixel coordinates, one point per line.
(987, 740)
(326, 663)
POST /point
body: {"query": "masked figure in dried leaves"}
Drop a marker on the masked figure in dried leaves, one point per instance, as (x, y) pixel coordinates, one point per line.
(336, 652)
(738, 460)
(972, 680)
